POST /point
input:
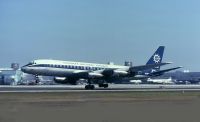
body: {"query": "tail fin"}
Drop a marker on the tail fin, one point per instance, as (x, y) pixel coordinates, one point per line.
(156, 57)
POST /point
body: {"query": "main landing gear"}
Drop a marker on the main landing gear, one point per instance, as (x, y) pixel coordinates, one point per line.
(89, 86)
(92, 87)
(104, 85)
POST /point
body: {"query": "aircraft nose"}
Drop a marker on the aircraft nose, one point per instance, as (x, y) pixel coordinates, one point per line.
(23, 69)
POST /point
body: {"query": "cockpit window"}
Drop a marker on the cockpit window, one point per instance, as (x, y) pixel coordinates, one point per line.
(30, 63)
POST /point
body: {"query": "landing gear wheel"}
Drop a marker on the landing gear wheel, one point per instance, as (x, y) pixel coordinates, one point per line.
(89, 87)
(37, 79)
(103, 85)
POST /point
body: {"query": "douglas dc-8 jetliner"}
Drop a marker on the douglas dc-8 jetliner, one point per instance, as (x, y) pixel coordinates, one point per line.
(68, 72)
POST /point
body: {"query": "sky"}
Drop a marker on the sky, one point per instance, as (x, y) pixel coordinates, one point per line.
(100, 31)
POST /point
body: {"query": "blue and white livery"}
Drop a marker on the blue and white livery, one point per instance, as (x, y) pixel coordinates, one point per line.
(68, 72)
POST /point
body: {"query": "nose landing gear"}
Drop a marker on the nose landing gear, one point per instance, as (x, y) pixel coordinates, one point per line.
(37, 79)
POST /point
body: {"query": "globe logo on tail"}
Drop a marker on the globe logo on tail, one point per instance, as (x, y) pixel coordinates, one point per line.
(156, 58)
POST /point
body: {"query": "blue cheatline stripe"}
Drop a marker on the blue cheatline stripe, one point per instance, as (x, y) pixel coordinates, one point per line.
(67, 67)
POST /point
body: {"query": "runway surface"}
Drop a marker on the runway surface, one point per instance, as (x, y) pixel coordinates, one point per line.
(100, 107)
(112, 87)
(118, 103)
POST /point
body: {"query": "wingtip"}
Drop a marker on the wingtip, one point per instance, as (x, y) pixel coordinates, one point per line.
(180, 67)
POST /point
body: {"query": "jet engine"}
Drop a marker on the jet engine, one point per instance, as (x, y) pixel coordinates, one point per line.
(63, 80)
(118, 73)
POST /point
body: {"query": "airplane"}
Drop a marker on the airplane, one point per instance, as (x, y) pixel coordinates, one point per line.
(184, 77)
(161, 81)
(68, 72)
(154, 81)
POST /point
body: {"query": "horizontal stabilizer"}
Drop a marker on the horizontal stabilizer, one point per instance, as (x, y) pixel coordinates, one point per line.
(146, 67)
(158, 73)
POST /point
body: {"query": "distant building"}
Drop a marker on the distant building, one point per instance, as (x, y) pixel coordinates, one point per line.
(1, 79)
(10, 76)
(15, 66)
(110, 63)
(128, 63)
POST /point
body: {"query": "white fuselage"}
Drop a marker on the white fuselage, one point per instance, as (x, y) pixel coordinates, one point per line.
(65, 68)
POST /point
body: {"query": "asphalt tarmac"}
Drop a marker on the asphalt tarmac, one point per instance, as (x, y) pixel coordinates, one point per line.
(112, 87)
(102, 106)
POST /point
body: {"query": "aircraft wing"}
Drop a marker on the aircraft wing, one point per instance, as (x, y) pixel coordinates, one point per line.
(113, 72)
(146, 67)
(100, 73)
(87, 74)
(158, 73)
